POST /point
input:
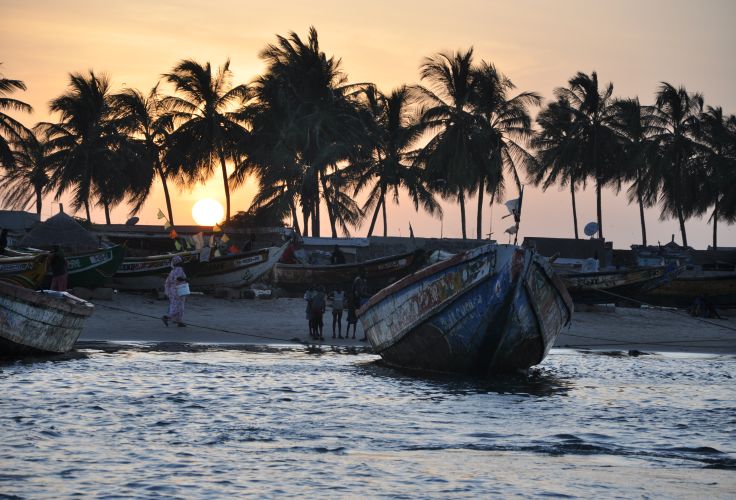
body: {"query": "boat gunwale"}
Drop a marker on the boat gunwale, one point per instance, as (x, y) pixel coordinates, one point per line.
(340, 267)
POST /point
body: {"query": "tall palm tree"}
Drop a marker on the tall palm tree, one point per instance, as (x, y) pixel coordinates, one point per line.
(391, 132)
(557, 152)
(314, 117)
(720, 164)
(210, 126)
(11, 130)
(635, 126)
(30, 177)
(452, 157)
(596, 142)
(85, 142)
(676, 115)
(144, 119)
(506, 127)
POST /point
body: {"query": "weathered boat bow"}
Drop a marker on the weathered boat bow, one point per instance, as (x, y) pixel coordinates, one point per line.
(495, 308)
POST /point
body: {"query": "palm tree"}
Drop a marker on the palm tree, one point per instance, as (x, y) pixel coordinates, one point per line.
(11, 130)
(596, 142)
(635, 126)
(506, 127)
(720, 164)
(85, 141)
(676, 115)
(210, 127)
(390, 135)
(452, 157)
(144, 119)
(29, 179)
(314, 119)
(557, 152)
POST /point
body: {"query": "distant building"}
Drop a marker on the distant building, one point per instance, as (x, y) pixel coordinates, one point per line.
(18, 223)
(571, 251)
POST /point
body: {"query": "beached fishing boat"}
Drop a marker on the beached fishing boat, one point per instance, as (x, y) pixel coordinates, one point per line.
(495, 308)
(379, 272)
(716, 287)
(149, 273)
(39, 321)
(235, 271)
(27, 271)
(605, 287)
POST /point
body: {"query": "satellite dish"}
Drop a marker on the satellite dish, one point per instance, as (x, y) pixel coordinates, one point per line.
(590, 229)
(132, 221)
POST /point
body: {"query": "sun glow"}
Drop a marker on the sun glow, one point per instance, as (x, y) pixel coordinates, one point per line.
(208, 212)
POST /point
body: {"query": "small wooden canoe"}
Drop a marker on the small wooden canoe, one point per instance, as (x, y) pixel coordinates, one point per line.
(379, 272)
(717, 287)
(606, 287)
(27, 271)
(41, 321)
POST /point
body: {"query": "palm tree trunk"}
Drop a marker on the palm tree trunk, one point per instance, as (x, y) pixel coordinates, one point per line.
(226, 185)
(107, 213)
(478, 228)
(461, 199)
(305, 217)
(294, 217)
(641, 216)
(330, 208)
(681, 218)
(39, 199)
(599, 208)
(375, 216)
(383, 209)
(166, 192)
(715, 225)
(315, 218)
(574, 210)
(86, 208)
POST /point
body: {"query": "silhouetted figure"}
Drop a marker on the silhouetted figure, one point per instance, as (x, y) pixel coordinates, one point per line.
(318, 305)
(3, 240)
(337, 256)
(59, 270)
(338, 303)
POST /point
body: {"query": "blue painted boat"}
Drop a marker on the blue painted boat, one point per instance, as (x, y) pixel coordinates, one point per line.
(496, 308)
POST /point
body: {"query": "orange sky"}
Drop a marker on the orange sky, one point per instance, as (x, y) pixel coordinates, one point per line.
(539, 44)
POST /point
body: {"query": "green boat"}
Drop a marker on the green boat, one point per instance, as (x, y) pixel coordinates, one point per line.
(95, 268)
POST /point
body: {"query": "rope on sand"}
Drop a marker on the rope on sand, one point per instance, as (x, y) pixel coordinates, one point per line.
(222, 330)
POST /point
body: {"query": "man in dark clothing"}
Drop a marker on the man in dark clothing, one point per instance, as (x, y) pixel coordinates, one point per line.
(318, 305)
(59, 270)
(359, 294)
(337, 256)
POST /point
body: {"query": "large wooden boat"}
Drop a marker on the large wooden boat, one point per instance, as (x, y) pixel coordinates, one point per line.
(717, 287)
(149, 273)
(89, 269)
(27, 271)
(605, 287)
(39, 321)
(495, 308)
(234, 271)
(379, 272)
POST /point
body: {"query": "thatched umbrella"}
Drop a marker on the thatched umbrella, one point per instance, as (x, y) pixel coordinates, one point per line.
(61, 230)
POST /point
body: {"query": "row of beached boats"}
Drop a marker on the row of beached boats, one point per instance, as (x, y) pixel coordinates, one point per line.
(490, 309)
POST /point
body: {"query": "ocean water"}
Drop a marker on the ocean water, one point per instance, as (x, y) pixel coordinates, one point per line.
(219, 423)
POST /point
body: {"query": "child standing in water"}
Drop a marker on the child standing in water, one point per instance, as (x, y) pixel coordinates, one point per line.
(338, 303)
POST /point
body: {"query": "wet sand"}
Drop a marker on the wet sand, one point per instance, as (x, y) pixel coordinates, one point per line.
(136, 318)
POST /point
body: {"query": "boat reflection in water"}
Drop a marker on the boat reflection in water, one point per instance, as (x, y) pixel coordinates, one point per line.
(493, 309)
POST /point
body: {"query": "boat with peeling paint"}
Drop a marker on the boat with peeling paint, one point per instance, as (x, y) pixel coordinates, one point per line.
(493, 309)
(27, 271)
(44, 321)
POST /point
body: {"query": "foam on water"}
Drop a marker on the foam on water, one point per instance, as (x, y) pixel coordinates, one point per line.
(217, 423)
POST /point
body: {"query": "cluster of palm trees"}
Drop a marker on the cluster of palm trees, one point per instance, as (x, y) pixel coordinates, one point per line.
(313, 140)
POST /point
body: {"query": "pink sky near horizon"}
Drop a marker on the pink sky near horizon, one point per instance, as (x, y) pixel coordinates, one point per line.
(538, 44)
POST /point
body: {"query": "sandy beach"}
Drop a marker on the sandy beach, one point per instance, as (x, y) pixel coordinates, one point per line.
(210, 320)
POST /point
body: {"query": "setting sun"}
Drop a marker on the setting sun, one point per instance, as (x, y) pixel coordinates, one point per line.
(208, 212)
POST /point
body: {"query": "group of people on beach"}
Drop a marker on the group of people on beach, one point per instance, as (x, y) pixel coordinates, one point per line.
(317, 301)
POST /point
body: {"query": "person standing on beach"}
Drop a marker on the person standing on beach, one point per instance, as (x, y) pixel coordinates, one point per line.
(59, 270)
(338, 302)
(319, 301)
(176, 302)
(360, 292)
(352, 317)
(308, 298)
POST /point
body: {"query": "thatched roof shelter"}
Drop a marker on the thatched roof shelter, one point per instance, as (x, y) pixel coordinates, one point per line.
(62, 230)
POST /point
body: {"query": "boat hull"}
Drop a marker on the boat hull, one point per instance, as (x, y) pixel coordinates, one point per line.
(718, 288)
(235, 271)
(149, 273)
(32, 322)
(494, 309)
(615, 286)
(379, 273)
(27, 271)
